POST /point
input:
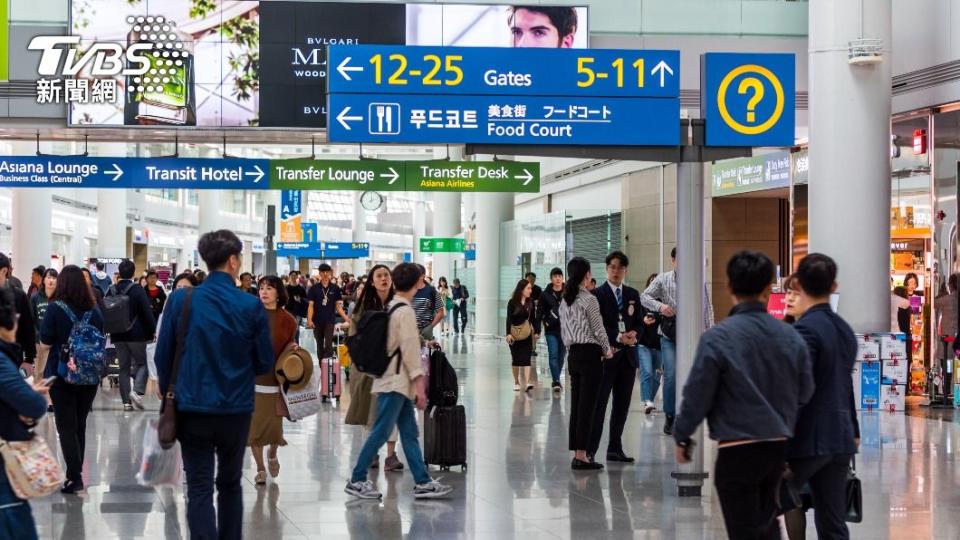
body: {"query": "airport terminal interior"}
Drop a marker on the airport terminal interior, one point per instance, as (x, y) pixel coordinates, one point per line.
(317, 154)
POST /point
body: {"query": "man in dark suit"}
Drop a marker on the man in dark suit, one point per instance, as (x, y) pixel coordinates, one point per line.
(622, 313)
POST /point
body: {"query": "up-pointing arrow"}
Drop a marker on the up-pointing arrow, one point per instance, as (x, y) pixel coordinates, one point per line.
(117, 172)
(344, 68)
(343, 118)
(526, 177)
(663, 68)
(392, 176)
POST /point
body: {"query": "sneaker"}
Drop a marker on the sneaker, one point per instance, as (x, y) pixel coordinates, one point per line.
(71, 487)
(137, 400)
(431, 490)
(529, 387)
(392, 463)
(649, 407)
(557, 387)
(127, 407)
(363, 490)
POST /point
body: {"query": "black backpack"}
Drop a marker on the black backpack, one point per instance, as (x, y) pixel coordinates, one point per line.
(368, 347)
(444, 388)
(116, 311)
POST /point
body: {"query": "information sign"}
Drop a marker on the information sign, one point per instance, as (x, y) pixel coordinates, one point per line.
(291, 216)
(442, 245)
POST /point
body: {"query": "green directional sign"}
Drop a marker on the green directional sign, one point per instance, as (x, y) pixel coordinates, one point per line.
(442, 245)
(375, 175)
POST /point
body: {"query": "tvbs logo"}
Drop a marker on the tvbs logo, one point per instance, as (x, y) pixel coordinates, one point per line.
(60, 57)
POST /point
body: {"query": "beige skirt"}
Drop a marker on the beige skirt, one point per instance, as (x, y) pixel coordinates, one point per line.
(266, 428)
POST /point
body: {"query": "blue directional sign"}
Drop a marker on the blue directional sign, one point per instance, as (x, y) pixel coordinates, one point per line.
(291, 203)
(749, 99)
(303, 250)
(386, 69)
(138, 173)
(504, 120)
(324, 250)
(310, 232)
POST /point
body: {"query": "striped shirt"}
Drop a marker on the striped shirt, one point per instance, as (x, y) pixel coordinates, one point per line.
(427, 303)
(663, 291)
(581, 323)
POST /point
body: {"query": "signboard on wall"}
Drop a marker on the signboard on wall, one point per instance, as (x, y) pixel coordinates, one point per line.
(248, 63)
(745, 175)
(291, 216)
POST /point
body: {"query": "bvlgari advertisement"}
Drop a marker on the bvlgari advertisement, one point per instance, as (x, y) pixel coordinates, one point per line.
(239, 63)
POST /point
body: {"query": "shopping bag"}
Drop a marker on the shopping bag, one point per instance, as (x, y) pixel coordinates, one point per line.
(158, 467)
(32, 469)
(305, 402)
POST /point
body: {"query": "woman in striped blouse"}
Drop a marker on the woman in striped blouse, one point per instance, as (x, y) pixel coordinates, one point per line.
(582, 330)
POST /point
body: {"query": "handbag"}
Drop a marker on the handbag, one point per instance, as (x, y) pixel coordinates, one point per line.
(788, 497)
(32, 469)
(668, 325)
(167, 424)
(522, 331)
(304, 402)
(854, 495)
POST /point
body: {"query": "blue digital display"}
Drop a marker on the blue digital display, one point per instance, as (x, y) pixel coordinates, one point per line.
(324, 250)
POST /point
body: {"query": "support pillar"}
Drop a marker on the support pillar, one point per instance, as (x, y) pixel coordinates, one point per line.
(112, 223)
(851, 195)
(497, 208)
(208, 203)
(359, 232)
(446, 218)
(32, 240)
(419, 228)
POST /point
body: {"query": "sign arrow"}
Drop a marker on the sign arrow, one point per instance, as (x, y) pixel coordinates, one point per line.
(343, 118)
(117, 172)
(343, 68)
(663, 68)
(526, 177)
(392, 176)
(258, 174)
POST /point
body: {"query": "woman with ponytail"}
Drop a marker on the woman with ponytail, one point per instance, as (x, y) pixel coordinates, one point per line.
(586, 339)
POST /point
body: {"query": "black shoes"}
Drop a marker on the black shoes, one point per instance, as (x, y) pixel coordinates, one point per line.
(71, 487)
(619, 457)
(579, 465)
(668, 426)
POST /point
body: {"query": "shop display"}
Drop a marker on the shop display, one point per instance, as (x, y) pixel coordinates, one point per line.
(892, 397)
(894, 371)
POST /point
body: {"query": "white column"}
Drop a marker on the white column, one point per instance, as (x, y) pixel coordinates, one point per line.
(496, 209)
(419, 227)
(112, 223)
(208, 202)
(32, 240)
(850, 198)
(446, 218)
(359, 232)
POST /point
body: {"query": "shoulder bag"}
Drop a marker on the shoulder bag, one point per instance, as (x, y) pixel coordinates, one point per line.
(522, 331)
(32, 469)
(167, 425)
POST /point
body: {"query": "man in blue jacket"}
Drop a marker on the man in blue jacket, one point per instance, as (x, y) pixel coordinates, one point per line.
(226, 344)
(828, 433)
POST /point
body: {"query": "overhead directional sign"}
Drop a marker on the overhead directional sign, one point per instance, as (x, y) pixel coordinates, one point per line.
(749, 99)
(254, 174)
(419, 119)
(442, 245)
(372, 175)
(141, 173)
(416, 95)
(324, 250)
(384, 69)
(291, 215)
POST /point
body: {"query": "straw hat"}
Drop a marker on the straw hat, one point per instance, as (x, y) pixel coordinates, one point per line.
(294, 367)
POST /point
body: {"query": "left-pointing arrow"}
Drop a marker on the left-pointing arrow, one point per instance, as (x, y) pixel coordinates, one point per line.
(258, 175)
(344, 68)
(343, 118)
(117, 172)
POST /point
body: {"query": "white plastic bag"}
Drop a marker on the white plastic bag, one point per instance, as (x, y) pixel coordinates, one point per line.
(158, 467)
(306, 401)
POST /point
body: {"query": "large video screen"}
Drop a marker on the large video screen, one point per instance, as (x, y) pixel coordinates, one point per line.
(223, 63)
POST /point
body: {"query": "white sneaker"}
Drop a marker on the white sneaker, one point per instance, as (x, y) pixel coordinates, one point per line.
(137, 400)
(649, 407)
(431, 490)
(363, 490)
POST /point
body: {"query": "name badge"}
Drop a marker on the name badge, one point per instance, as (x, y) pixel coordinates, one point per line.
(621, 327)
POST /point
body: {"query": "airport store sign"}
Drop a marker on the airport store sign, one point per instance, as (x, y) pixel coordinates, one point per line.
(255, 174)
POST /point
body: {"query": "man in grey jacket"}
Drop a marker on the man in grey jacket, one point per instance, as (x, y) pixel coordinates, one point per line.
(750, 376)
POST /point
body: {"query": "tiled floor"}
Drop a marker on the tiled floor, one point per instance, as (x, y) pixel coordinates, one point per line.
(518, 484)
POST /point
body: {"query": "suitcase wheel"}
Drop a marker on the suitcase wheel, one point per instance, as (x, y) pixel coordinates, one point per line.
(444, 468)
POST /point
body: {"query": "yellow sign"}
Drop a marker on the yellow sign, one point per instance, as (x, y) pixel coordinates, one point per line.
(756, 85)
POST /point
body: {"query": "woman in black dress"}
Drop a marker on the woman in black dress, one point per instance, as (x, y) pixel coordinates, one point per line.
(520, 332)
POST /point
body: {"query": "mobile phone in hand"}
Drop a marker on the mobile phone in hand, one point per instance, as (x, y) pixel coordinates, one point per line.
(48, 381)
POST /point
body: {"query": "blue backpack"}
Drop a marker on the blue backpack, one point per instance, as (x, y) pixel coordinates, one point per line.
(85, 347)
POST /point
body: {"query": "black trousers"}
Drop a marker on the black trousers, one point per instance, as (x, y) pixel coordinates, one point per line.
(618, 378)
(202, 438)
(324, 335)
(585, 374)
(72, 403)
(747, 477)
(460, 315)
(827, 478)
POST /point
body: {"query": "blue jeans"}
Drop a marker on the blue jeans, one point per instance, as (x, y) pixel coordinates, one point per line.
(393, 409)
(557, 351)
(650, 362)
(668, 355)
(16, 519)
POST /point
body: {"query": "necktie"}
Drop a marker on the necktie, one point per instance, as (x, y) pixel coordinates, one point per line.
(619, 299)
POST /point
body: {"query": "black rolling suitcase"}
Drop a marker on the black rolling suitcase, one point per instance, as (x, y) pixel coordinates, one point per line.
(445, 437)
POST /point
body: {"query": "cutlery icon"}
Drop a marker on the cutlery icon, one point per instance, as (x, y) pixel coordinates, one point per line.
(380, 115)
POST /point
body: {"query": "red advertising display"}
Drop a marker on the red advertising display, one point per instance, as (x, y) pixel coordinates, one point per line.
(777, 305)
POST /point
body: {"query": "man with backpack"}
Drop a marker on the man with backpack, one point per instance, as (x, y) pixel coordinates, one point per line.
(399, 386)
(428, 305)
(128, 318)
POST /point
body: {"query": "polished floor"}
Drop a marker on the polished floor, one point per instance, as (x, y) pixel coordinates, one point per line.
(518, 483)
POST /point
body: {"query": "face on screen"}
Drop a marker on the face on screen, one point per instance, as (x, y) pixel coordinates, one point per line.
(533, 29)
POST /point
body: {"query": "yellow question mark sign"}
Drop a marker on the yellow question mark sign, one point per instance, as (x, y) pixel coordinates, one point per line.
(747, 84)
(759, 91)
